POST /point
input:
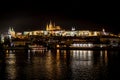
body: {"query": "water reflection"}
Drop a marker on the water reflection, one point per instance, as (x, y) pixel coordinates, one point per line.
(104, 56)
(82, 63)
(29, 57)
(60, 65)
(10, 66)
(82, 55)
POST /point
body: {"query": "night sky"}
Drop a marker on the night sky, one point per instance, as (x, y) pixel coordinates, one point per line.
(33, 15)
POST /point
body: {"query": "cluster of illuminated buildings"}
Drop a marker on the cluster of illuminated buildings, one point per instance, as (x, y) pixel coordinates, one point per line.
(52, 29)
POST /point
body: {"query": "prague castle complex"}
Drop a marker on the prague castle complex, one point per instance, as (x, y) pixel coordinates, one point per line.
(76, 36)
(52, 29)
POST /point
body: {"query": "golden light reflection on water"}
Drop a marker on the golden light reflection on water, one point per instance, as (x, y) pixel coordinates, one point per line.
(58, 55)
(58, 62)
(65, 54)
(104, 55)
(82, 54)
(82, 58)
(55, 65)
(62, 52)
(49, 64)
(11, 66)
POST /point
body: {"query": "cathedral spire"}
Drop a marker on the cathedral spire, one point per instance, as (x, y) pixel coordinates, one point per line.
(11, 32)
(47, 27)
(50, 22)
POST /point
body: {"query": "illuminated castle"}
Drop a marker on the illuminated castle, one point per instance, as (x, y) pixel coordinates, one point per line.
(52, 27)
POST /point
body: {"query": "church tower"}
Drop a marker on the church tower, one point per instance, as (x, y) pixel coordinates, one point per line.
(11, 32)
(49, 26)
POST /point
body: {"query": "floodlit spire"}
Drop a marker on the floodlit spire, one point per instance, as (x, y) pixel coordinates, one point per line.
(50, 25)
(47, 27)
(73, 28)
(103, 30)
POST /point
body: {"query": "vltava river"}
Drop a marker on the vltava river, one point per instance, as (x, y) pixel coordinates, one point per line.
(60, 65)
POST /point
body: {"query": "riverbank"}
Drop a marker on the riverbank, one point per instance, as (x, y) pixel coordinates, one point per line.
(88, 48)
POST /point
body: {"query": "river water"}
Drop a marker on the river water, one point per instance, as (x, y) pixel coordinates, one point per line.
(60, 65)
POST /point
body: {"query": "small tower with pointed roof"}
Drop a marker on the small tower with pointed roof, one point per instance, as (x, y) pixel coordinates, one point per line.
(11, 32)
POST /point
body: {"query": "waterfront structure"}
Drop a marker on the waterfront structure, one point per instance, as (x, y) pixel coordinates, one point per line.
(53, 30)
(56, 37)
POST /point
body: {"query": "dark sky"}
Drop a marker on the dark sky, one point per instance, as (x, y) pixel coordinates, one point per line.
(28, 15)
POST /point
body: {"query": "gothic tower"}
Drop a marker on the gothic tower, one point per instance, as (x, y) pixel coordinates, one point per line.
(11, 32)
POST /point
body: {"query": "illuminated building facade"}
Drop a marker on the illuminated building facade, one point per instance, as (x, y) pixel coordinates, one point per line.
(52, 27)
(54, 32)
(11, 32)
